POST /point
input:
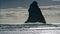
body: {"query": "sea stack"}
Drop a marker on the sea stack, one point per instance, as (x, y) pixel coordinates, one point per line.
(35, 14)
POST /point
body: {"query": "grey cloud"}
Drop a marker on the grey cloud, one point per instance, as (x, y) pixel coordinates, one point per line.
(25, 3)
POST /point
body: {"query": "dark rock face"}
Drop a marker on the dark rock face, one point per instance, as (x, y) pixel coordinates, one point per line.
(35, 14)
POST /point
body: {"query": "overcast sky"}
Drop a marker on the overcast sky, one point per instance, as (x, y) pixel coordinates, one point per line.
(26, 3)
(18, 5)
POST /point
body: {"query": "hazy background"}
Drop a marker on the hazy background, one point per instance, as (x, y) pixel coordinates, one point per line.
(16, 11)
(26, 3)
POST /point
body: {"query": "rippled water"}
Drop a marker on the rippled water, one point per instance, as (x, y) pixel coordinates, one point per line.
(29, 29)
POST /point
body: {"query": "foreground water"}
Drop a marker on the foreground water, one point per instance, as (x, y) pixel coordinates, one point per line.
(32, 32)
(29, 29)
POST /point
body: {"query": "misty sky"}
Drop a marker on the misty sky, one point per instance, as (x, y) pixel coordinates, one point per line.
(19, 9)
(25, 3)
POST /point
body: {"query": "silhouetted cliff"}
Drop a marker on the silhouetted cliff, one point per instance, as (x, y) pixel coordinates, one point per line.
(35, 14)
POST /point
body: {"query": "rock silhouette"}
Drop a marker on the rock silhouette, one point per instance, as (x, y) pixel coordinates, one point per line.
(35, 14)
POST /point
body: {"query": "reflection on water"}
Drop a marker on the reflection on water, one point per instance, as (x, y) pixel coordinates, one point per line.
(29, 29)
(14, 27)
